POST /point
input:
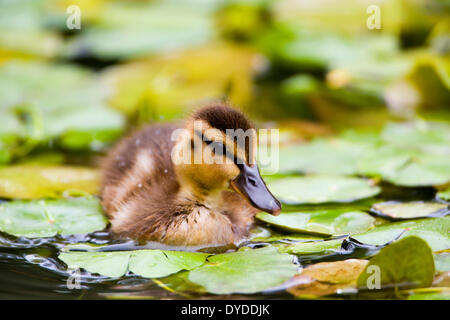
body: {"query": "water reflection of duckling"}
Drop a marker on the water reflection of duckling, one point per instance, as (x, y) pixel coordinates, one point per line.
(152, 191)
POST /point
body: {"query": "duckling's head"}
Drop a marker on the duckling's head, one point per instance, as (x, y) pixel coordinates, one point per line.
(216, 150)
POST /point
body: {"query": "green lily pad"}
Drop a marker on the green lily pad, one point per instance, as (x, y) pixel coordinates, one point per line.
(48, 181)
(139, 29)
(46, 218)
(261, 234)
(320, 189)
(407, 262)
(321, 222)
(433, 230)
(247, 271)
(179, 283)
(405, 167)
(58, 103)
(146, 263)
(444, 194)
(426, 136)
(310, 248)
(430, 294)
(336, 156)
(442, 261)
(158, 263)
(410, 210)
(109, 264)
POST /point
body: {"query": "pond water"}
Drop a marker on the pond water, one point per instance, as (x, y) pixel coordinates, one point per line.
(29, 268)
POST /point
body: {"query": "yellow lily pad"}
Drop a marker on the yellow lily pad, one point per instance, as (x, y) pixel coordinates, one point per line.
(40, 181)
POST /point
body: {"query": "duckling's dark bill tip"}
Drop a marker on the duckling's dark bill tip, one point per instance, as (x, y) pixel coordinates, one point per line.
(252, 187)
(276, 212)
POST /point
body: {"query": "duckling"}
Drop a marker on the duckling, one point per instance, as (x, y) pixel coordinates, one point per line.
(149, 194)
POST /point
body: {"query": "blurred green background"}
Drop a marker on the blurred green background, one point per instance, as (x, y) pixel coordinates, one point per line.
(309, 67)
(351, 103)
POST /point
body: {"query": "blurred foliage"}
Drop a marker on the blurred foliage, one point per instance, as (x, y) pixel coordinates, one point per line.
(53, 104)
(317, 59)
(361, 112)
(165, 87)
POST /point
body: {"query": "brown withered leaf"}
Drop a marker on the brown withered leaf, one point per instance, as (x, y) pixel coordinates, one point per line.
(326, 278)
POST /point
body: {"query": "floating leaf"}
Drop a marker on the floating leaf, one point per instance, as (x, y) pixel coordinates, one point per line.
(407, 262)
(319, 189)
(57, 102)
(109, 264)
(260, 234)
(146, 263)
(247, 271)
(335, 156)
(179, 283)
(158, 263)
(430, 294)
(442, 261)
(410, 210)
(127, 30)
(48, 181)
(434, 231)
(138, 84)
(321, 222)
(405, 167)
(426, 136)
(327, 278)
(444, 194)
(45, 218)
(313, 248)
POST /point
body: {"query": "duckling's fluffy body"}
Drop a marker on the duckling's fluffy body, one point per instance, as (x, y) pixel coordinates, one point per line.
(146, 196)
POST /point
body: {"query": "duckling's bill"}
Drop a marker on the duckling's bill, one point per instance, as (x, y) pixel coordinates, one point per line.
(251, 186)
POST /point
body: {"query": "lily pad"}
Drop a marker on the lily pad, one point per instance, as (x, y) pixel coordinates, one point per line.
(261, 234)
(407, 262)
(327, 278)
(46, 218)
(179, 283)
(137, 84)
(321, 222)
(442, 261)
(422, 135)
(336, 156)
(247, 271)
(405, 167)
(444, 194)
(430, 294)
(410, 210)
(109, 264)
(158, 263)
(321, 189)
(126, 30)
(146, 263)
(47, 181)
(59, 103)
(433, 230)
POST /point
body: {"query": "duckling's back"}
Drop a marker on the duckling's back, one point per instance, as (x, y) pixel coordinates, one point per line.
(138, 165)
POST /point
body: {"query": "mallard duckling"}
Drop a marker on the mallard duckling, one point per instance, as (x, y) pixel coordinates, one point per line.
(150, 194)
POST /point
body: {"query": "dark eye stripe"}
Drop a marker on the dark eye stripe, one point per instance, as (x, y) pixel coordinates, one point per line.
(225, 150)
